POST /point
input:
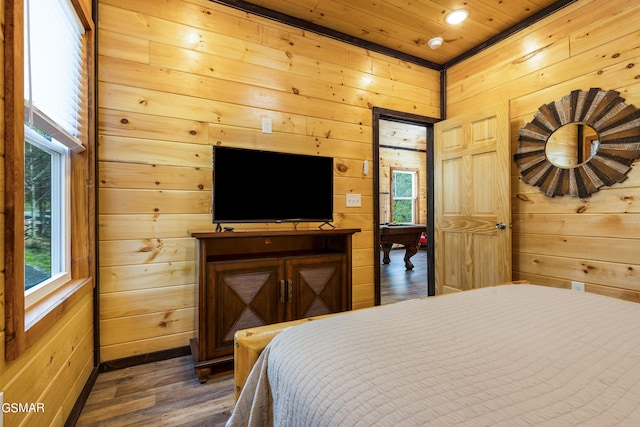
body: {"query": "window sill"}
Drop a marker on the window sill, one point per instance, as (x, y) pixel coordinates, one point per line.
(42, 315)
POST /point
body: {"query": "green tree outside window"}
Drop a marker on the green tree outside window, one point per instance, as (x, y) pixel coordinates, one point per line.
(403, 195)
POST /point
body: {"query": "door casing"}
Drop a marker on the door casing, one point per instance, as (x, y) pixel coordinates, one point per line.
(414, 119)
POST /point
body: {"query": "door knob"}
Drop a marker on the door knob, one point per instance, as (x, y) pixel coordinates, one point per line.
(501, 226)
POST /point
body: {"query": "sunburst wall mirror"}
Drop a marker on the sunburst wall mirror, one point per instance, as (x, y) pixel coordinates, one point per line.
(579, 144)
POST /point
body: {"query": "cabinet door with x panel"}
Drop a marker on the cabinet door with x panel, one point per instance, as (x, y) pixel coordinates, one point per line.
(243, 294)
(315, 286)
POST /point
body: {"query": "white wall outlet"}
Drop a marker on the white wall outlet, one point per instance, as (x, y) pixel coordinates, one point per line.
(267, 125)
(577, 286)
(354, 200)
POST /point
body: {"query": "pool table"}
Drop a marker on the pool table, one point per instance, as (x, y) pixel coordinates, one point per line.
(404, 234)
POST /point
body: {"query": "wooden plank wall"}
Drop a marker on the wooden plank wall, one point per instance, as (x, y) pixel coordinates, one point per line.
(177, 79)
(557, 240)
(54, 370)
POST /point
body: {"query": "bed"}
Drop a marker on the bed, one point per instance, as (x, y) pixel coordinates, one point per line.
(517, 354)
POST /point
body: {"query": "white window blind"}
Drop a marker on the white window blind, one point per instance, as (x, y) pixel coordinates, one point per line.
(53, 69)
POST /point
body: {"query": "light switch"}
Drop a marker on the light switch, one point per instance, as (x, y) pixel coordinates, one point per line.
(267, 125)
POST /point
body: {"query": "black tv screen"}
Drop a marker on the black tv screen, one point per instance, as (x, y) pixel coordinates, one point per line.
(267, 186)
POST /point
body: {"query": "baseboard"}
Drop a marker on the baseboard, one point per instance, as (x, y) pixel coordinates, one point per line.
(141, 359)
(72, 419)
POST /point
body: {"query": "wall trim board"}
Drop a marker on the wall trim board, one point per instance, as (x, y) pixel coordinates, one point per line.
(140, 359)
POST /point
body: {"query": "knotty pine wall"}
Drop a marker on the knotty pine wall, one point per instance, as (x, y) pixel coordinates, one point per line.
(53, 370)
(178, 77)
(592, 43)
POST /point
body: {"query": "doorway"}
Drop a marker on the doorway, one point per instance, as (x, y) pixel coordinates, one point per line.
(403, 200)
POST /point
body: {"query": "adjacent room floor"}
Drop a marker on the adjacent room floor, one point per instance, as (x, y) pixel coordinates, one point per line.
(397, 283)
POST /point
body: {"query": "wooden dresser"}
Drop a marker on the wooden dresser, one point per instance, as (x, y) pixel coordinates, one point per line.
(250, 279)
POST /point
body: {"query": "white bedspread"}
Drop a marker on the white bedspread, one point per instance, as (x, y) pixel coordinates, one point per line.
(511, 355)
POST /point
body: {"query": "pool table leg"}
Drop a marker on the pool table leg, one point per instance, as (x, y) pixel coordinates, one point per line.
(386, 248)
(411, 250)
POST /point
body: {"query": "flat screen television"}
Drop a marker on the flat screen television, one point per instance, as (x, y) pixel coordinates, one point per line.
(266, 186)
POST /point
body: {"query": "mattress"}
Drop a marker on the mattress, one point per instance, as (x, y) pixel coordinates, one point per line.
(499, 356)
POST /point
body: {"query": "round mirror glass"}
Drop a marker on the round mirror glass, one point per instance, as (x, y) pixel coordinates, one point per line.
(572, 145)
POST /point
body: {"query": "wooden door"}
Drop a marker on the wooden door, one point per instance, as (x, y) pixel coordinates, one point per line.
(472, 168)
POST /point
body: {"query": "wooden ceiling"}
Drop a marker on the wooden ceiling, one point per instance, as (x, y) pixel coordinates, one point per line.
(402, 28)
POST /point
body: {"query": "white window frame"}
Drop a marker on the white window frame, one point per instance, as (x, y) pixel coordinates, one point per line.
(414, 191)
(60, 218)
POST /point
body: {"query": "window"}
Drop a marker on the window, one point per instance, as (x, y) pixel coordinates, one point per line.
(404, 184)
(52, 93)
(49, 222)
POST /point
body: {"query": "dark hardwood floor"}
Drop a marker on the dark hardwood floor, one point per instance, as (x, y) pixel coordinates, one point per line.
(167, 393)
(397, 283)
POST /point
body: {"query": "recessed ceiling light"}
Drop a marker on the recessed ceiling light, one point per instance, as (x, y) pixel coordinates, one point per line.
(456, 16)
(435, 42)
